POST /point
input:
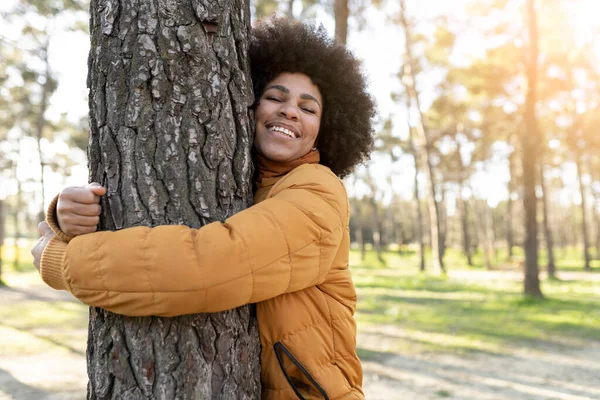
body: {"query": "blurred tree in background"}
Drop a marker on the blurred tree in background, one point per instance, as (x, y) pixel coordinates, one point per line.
(28, 137)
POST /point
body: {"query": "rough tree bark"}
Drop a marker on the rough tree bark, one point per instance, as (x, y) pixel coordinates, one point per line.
(170, 139)
(422, 143)
(530, 138)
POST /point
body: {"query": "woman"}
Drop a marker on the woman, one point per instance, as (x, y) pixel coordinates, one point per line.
(288, 253)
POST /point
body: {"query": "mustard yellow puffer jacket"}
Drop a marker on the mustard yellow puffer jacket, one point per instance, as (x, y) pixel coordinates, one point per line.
(288, 253)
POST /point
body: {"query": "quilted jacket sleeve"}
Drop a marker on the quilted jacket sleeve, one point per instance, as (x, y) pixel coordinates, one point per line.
(283, 244)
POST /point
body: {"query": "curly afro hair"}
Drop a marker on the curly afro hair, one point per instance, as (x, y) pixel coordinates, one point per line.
(282, 45)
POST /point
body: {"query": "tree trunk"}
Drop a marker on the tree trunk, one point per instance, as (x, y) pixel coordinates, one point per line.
(464, 214)
(423, 144)
(584, 217)
(597, 220)
(398, 221)
(39, 129)
(360, 237)
(170, 139)
(510, 241)
(376, 220)
(551, 268)
(443, 231)
(530, 139)
(494, 235)
(290, 9)
(2, 215)
(484, 233)
(420, 232)
(417, 196)
(340, 13)
(17, 222)
(376, 230)
(595, 209)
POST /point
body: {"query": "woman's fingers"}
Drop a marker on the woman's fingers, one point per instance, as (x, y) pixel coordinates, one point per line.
(67, 207)
(44, 229)
(78, 209)
(76, 230)
(96, 188)
(74, 225)
(80, 220)
(38, 248)
(81, 195)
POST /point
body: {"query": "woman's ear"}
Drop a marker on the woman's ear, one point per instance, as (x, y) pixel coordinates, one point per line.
(315, 145)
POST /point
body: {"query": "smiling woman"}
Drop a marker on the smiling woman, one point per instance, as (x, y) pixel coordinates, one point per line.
(288, 117)
(288, 254)
(335, 88)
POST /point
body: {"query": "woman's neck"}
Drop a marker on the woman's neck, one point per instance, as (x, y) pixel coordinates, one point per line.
(276, 169)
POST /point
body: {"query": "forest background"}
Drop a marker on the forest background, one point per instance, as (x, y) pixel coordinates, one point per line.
(475, 226)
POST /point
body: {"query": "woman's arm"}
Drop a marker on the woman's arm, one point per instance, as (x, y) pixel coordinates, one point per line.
(284, 244)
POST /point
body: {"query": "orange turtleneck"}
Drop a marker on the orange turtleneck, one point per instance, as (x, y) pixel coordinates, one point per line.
(269, 171)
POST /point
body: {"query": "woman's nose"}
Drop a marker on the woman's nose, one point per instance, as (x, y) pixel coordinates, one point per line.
(289, 112)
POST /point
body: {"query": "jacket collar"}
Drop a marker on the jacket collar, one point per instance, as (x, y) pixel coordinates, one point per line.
(269, 171)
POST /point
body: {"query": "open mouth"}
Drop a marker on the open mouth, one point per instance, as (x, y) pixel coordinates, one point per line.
(283, 131)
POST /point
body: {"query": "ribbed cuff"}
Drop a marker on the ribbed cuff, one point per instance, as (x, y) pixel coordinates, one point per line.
(52, 220)
(51, 266)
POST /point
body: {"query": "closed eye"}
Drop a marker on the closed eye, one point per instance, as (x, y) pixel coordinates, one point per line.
(309, 110)
(274, 99)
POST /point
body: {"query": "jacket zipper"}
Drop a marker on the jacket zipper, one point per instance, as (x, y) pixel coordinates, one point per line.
(280, 347)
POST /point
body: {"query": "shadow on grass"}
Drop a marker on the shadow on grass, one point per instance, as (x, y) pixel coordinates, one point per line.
(17, 389)
(45, 338)
(426, 283)
(424, 346)
(46, 296)
(514, 384)
(500, 318)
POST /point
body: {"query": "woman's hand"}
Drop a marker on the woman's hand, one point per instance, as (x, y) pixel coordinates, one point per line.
(78, 209)
(41, 244)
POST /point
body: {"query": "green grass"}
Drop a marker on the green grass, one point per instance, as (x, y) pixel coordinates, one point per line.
(7, 252)
(30, 324)
(466, 313)
(404, 310)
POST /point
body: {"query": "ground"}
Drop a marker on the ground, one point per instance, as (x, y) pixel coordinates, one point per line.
(557, 373)
(45, 359)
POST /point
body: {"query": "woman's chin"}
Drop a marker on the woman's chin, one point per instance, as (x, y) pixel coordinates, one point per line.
(276, 153)
(277, 157)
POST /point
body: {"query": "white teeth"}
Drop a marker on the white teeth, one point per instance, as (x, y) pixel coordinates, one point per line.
(284, 131)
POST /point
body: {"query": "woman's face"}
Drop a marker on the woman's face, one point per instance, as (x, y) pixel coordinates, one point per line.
(288, 117)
